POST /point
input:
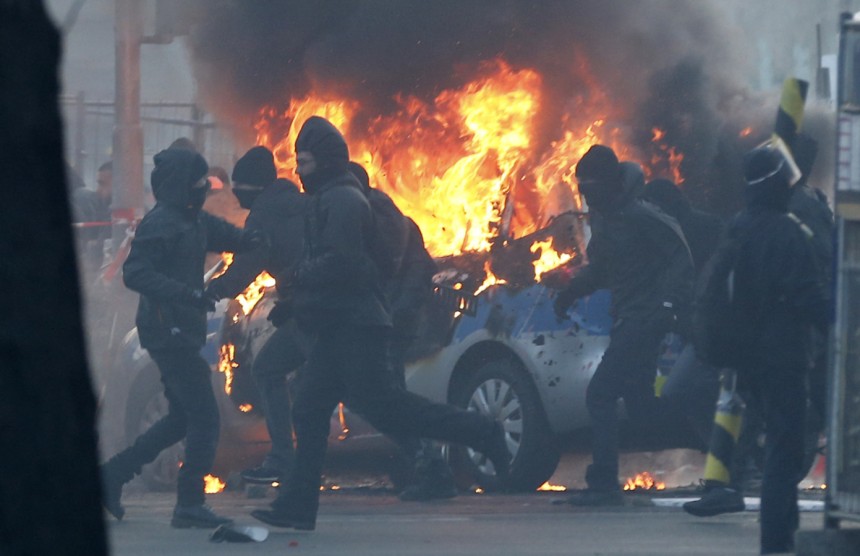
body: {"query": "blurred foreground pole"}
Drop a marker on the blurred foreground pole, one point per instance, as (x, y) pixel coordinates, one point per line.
(127, 199)
(49, 484)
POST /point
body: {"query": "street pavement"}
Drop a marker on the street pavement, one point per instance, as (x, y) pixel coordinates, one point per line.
(372, 521)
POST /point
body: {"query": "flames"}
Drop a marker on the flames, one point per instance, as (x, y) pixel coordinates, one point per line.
(644, 481)
(472, 164)
(249, 298)
(213, 485)
(226, 364)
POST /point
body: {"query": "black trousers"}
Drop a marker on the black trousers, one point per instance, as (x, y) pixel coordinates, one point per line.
(192, 414)
(627, 371)
(351, 364)
(282, 353)
(781, 395)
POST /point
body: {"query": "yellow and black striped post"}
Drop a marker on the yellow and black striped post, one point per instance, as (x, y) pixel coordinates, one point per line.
(789, 117)
(727, 429)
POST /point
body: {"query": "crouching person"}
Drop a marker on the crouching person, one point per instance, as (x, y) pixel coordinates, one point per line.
(166, 266)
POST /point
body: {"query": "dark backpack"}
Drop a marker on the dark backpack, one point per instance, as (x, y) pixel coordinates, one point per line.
(388, 243)
(724, 328)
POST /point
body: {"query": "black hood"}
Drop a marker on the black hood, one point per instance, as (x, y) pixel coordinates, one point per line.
(320, 138)
(360, 174)
(668, 197)
(175, 172)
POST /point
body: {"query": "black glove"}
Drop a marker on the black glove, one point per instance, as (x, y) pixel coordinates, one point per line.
(203, 300)
(563, 302)
(253, 239)
(280, 313)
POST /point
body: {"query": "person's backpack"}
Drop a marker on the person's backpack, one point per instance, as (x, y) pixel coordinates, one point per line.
(724, 328)
(390, 234)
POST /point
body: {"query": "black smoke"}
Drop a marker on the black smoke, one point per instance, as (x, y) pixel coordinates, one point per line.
(672, 64)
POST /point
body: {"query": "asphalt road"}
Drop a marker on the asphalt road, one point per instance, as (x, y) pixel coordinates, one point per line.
(374, 522)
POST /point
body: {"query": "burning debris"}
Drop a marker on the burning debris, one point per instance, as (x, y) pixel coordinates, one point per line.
(644, 481)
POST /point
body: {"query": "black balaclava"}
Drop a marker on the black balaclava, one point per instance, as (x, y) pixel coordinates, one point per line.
(767, 175)
(360, 174)
(256, 168)
(174, 177)
(599, 175)
(666, 195)
(320, 138)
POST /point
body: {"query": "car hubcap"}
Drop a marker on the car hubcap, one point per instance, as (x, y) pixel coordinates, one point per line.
(496, 399)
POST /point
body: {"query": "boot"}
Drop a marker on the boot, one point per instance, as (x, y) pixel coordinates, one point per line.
(435, 482)
(114, 474)
(292, 509)
(717, 500)
(199, 516)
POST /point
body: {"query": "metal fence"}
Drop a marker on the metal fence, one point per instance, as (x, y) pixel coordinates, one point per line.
(89, 133)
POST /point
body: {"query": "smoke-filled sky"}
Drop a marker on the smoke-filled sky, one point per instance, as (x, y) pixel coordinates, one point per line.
(686, 66)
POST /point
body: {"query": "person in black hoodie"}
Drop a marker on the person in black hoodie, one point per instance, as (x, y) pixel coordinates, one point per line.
(277, 208)
(778, 281)
(640, 255)
(338, 298)
(165, 265)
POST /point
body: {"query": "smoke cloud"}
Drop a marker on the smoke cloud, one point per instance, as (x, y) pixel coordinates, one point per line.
(679, 65)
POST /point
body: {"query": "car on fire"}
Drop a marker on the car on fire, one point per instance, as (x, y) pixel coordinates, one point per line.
(500, 351)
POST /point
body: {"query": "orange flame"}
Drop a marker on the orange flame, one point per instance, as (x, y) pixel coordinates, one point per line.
(245, 407)
(456, 164)
(745, 132)
(552, 488)
(249, 298)
(214, 485)
(226, 364)
(549, 258)
(644, 481)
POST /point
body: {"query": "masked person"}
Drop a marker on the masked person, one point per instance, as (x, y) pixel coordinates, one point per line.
(407, 289)
(338, 298)
(277, 208)
(165, 265)
(639, 254)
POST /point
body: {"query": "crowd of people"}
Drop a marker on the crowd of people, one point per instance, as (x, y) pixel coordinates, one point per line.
(352, 273)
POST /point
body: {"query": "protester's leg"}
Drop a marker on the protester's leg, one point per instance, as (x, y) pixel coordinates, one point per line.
(365, 372)
(280, 355)
(627, 370)
(784, 406)
(318, 391)
(187, 377)
(123, 466)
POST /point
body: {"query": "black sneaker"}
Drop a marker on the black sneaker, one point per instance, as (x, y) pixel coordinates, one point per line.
(292, 509)
(112, 485)
(197, 517)
(596, 498)
(716, 501)
(261, 475)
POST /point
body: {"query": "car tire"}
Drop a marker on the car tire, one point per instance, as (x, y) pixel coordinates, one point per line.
(503, 391)
(146, 405)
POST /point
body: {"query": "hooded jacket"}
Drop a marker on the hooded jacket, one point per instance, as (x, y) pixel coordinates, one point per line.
(639, 254)
(279, 212)
(778, 277)
(337, 284)
(165, 263)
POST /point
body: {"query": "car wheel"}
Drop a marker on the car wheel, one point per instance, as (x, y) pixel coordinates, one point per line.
(502, 391)
(146, 406)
